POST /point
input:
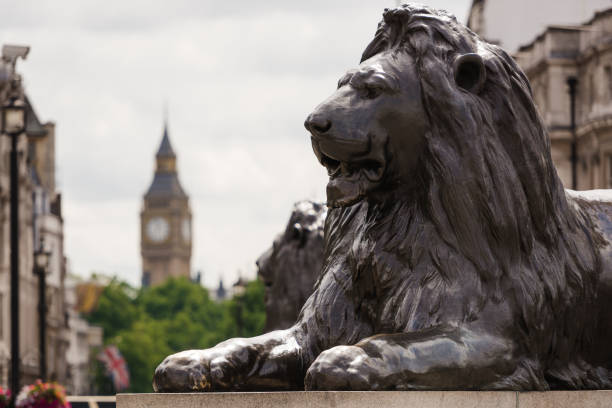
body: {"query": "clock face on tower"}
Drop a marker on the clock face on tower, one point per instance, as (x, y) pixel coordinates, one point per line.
(186, 229)
(157, 229)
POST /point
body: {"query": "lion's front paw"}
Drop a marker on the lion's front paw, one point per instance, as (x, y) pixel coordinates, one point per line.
(186, 371)
(214, 369)
(341, 368)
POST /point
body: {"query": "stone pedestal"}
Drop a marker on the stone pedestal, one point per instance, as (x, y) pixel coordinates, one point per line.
(359, 399)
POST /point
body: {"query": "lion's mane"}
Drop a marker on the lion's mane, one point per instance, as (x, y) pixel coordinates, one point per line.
(492, 215)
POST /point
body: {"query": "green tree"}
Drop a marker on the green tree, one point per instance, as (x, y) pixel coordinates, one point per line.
(149, 324)
(249, 308)
(143, 346)
(117, 308)
(192, 319)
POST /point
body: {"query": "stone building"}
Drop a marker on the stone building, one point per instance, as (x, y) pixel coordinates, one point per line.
(47, 232)
(40, 221)
(511, 24)
(41, 227)
(165, 221)
(85, 339)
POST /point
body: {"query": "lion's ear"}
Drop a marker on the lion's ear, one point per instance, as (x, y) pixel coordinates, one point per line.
(470, 72)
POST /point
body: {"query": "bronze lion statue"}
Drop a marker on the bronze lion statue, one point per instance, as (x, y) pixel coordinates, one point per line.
(454, 258)
(291, 266)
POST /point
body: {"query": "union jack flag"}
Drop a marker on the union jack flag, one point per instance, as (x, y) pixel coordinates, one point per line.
(115, 367)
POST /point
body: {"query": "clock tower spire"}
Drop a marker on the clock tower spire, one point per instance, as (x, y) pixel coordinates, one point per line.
(165, 232)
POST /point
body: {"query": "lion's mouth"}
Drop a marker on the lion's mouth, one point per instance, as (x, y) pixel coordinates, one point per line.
(372, 170)
(350, 180)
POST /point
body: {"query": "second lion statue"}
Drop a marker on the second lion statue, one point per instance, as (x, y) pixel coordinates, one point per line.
(454, 258)
(291, 266)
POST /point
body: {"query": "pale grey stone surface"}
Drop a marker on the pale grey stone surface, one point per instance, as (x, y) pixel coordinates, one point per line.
(565, 399)
(346, 399)
(363, 399)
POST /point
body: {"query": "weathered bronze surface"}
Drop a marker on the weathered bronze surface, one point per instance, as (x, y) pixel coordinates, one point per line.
(291, 266)
(454, 258)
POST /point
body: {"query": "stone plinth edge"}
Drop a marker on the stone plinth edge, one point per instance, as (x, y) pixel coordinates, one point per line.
(362, 399)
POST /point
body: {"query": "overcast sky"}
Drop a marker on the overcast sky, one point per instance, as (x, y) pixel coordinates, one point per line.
(239, 78)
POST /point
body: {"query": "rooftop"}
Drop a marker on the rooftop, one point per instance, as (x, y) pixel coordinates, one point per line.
(165, 184)
(165, 148)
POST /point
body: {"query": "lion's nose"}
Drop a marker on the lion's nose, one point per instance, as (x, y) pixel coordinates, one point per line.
(317, 124)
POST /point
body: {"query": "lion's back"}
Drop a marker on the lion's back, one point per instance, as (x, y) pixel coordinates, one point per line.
(597, 204)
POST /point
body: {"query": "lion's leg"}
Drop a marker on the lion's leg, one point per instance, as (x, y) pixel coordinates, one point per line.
(276, 360)
(456, 358)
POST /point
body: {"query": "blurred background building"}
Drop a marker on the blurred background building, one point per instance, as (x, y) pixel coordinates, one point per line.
(41, 227)
(84, 339)
(165, 237)
(565, 49)
(511, 24)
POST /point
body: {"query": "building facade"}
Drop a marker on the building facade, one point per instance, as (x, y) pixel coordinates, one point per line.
(511, 24)
(582, 53)
(40, 228)
(85, 340)
(165, 222)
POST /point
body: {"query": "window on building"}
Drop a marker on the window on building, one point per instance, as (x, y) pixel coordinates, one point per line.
(608, 73)
(146, 279)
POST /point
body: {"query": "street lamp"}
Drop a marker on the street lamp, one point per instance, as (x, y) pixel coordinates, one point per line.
(239, 290)
(41, 265)
(572, 83)
(13, 117)
(13, 124)
(239, 287)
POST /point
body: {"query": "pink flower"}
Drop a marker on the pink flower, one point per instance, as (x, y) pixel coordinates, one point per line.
(42, 395)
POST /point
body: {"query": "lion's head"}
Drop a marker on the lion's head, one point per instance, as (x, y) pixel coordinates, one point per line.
(290, 267)
(428, 92)
(442, 123)
(371, 132)
(435, 114)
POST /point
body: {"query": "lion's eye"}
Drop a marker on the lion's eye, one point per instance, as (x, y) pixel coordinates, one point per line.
(371, 92)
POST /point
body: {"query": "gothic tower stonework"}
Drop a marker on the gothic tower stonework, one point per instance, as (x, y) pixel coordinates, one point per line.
(165, 222)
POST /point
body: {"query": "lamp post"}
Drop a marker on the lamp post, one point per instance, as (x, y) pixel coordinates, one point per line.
(239, 289)
(572, 83)
(13, 124)
(41, 265)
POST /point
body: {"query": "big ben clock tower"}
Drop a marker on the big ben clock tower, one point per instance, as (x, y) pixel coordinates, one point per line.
(165, 222)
